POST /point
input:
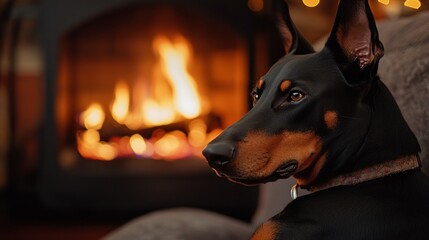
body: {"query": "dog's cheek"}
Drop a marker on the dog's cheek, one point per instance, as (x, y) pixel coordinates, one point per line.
(300, 146)
(260, 154)
(253, 155)
(306, 148)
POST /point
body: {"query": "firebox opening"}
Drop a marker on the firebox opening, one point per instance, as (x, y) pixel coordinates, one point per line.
(147, 83)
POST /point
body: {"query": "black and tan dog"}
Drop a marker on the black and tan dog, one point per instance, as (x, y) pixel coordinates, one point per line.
(326, 119)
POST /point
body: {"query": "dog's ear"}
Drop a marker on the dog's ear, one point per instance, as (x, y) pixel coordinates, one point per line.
(293, 41)
(354, 41)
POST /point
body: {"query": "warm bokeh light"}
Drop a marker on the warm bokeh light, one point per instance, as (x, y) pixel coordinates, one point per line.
(385, 2)
(414, 4)
(256, 5)
(172, 144)
(197, 133)
(121, 103)
(213, 134)
(311, 3)
(155, 114)
(106, 151)
(138, 144)
(134, 121)
(90, 146)
(90, 137)
(93, 117)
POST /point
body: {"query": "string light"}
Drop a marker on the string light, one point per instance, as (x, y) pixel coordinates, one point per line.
(311, 3)
(415, 4)
(256, 5)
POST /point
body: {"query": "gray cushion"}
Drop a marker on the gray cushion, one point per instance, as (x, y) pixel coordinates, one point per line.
(405, 70)
(183, 224)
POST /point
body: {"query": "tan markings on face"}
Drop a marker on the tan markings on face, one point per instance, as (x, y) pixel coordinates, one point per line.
(285, 85)
(260, 84)
(260, 155)
(267, 231)
(331, 119)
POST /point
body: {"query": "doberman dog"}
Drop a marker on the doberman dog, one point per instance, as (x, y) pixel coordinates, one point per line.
(326, 119)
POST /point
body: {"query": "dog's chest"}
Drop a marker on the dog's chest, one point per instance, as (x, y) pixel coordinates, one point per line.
(389, 208)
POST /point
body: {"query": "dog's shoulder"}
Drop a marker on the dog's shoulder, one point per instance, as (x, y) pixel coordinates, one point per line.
(380, 209)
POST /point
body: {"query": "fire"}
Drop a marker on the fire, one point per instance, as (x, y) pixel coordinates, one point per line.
(121, 103)
(171, 98)
(93, 117)
(174, 59)
(157, 114)
(171, 145)
(161, 108)
(138, 144)
(197, 133)
(90, 146)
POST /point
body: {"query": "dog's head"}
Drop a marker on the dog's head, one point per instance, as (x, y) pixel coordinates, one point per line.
(312, 109)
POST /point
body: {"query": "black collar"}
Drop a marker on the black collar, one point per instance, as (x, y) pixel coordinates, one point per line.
(384, 169)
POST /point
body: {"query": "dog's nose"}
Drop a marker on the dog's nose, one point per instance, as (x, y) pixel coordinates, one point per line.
(220, 153)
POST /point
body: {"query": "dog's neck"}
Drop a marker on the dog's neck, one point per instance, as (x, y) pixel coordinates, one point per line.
(380, 170)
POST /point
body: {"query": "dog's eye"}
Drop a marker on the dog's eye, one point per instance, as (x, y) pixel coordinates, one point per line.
(257, 91)
(292, 97)
(295, 96)
(255, 95)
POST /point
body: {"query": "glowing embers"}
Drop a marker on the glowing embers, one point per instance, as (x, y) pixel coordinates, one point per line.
(160, 118)
(121, 103)
(93, 117)
(161, 144)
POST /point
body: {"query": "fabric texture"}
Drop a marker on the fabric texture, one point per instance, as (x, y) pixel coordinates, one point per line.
(405, 71)
(183, 224)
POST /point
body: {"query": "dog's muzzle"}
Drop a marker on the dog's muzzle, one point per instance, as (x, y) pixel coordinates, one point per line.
(219, 154)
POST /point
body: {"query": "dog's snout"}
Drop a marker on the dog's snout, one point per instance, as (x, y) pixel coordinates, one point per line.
(220, 153)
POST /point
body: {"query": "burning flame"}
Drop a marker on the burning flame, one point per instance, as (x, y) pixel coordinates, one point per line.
(138, 144)
(157, 114)
(93, 117)
(172, 144)
(121, 103)
(174, 60)
(172, 98)
(162, 108)
(197, 133)
(90, 146)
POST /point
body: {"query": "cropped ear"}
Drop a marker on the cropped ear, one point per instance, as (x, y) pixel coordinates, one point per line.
(293, 41)
(354, 41)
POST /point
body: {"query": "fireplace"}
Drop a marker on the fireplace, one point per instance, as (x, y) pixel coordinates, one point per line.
(158, 90)
(134, 90)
